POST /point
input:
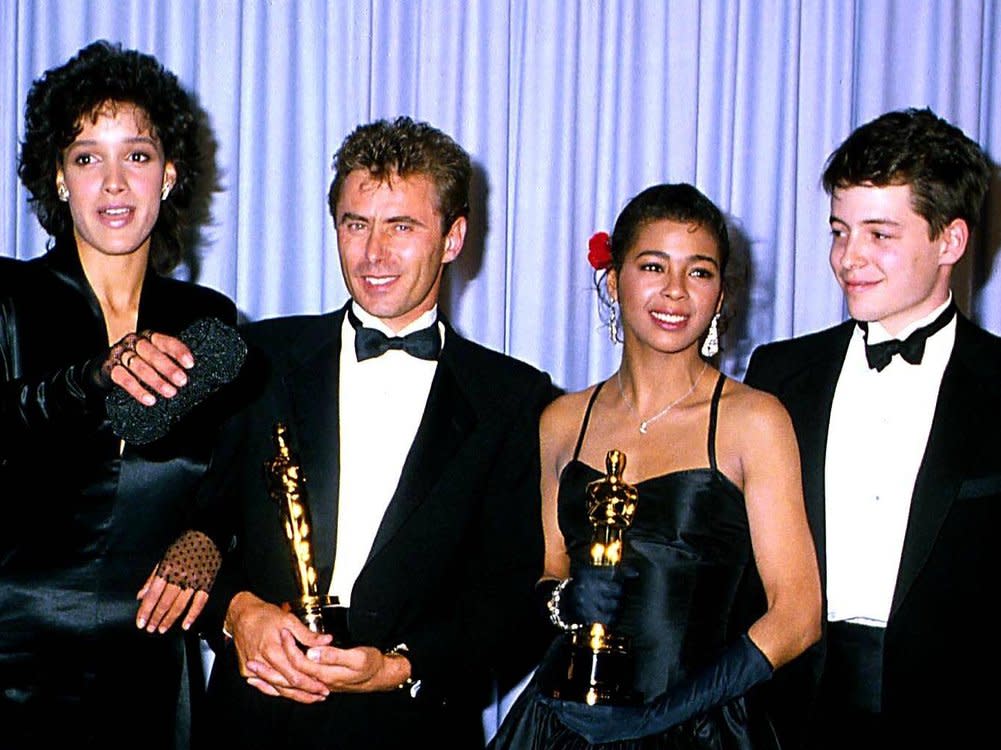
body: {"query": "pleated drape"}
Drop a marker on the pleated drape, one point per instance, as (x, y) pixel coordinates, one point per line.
(568, 108)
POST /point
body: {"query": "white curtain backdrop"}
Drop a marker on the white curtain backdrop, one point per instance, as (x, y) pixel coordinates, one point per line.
(568, 108)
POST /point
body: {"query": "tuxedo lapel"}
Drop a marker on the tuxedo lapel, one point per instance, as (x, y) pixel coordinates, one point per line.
(447, 418)
(941, 472)
(312, 385)
(808, 398)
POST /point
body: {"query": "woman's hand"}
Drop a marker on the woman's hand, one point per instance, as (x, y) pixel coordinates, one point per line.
(594, 594)
(147, 364)
(180, 582)
(161, 603)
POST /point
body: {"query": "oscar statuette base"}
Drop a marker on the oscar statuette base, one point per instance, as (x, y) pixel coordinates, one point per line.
(324, 614)
(599, 670)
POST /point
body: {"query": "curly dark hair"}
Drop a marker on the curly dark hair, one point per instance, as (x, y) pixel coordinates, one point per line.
(103, 73)
(406, 148)
(947, 172)
(682, 203)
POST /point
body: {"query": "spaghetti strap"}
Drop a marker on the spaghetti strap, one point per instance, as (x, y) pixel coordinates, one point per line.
(586, 419)
(713, 415)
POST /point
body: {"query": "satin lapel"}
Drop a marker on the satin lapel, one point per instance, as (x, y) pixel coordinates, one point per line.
(809, 397)
(312, 386)
(448, 418)
(155, 310)
(940, 475)
(64, 261)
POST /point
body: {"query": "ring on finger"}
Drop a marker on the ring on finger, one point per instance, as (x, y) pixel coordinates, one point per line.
(131, 354)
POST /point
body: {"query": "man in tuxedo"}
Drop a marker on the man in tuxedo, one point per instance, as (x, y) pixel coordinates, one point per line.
(897, 412)
(419, 450)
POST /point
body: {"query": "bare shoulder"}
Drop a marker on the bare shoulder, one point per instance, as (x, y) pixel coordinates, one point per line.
(566, 410)
(561, 421)
(757, 442)
(755, 414)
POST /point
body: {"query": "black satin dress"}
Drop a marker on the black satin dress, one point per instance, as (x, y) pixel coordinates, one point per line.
(690, 544)
(85, 520)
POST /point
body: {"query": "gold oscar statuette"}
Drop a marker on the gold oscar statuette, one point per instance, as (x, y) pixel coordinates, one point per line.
(286, 485)
(600, 667)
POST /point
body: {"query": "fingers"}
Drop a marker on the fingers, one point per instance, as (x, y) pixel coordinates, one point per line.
(149, 594)
(358, 669)
(197, 605)
(163, 603)
(263, 686)
(279, 666)
(159, 361)
(176, 609)
(260, 631)
(148, 363)
(145, 586)
(167, 356)
(124, 379)
(298, 696)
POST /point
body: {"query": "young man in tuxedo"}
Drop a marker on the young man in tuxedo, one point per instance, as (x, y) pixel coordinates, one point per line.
(420, 454)
(897, 414)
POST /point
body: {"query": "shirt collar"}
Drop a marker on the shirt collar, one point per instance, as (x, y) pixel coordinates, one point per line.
(370, 321)
(877, 333)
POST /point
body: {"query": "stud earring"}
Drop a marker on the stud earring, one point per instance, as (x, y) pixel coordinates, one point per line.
(710, 347)
(63, 192)
(165, 191)
(613, 323)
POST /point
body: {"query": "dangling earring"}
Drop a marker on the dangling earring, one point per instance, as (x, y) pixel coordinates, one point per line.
(63, 192)
(710, 347)
(613, 323)
(165, 191)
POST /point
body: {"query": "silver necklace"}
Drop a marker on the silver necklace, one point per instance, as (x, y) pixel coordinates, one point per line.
(645, 423)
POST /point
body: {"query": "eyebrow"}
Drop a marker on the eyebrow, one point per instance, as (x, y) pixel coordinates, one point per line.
(865, 222)
(348, 216)
(693, 256)
(404, 219)
(93, 142)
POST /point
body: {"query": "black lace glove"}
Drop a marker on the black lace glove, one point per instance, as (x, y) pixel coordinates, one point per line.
(737, 670)
(191, 562)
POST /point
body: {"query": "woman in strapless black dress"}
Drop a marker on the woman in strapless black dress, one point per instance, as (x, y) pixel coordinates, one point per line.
(716, 470)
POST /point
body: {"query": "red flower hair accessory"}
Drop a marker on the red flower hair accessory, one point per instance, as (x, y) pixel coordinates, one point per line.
(599, 251)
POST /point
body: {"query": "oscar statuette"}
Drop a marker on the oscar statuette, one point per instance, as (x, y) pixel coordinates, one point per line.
(600, 667)
(286, 486)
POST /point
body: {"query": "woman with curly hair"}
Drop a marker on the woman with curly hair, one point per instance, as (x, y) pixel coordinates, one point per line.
(704, 486)
(109, 159)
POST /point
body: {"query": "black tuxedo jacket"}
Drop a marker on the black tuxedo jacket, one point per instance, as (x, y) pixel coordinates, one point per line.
(940, 641)
(452, 569)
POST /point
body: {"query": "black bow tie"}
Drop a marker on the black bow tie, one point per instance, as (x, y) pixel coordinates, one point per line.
(369, 342)
(912, 349)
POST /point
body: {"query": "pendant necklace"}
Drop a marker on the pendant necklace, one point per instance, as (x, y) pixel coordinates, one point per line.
(645, 423)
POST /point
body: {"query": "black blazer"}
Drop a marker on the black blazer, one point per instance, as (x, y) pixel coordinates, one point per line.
(940, 638)
(453, 565)
(83, 521)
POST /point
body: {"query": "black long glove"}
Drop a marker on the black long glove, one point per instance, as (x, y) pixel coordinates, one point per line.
(738, 669)
(594, 594)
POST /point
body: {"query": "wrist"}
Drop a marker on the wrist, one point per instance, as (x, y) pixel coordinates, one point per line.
(233, 612)
(553, 607)
(400, 670)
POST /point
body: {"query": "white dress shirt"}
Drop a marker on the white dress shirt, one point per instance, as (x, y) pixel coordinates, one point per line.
(381, 403)
(878, 432)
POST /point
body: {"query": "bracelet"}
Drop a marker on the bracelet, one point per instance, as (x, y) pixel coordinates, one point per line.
(553, 605)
